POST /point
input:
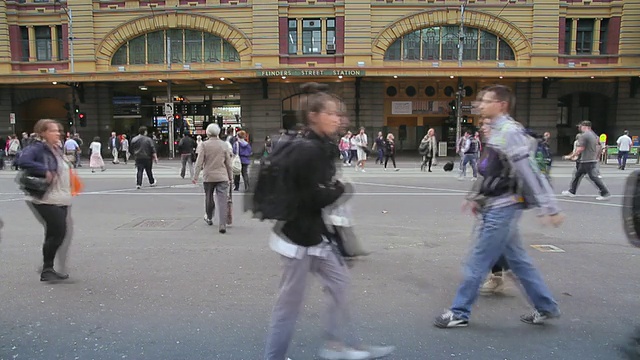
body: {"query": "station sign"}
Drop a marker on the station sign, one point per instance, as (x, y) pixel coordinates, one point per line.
(309, 72)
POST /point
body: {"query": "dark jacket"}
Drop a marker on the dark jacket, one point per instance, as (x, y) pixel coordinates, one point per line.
(38, 158)
(314, 184)
(186, 145)
(142, 147)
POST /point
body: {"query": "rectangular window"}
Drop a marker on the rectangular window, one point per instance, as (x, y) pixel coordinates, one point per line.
(193, 46)
(450, 43)
(155, 47)
(311, 36)
(292, 36)
(43, 43)
(604, 32)
(212, 48)
(137, 54)
(24, 38)
(567, 35)
(175, 39)
(431, 43)
(488, 46)
(470, 44)
(61, 43)
(584, 36)
(331, 32)
(411, 46)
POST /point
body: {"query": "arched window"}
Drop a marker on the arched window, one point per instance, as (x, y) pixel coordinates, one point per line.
(185, 47)
(441, 43)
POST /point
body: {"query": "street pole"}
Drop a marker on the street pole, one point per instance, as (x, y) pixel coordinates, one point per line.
(70, 16)
(460, 85)
(170, 99)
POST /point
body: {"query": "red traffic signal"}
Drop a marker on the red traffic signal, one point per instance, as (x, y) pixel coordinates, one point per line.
(82, 116)
(176, 116)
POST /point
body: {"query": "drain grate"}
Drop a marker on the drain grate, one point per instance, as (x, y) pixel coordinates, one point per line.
(158, 224)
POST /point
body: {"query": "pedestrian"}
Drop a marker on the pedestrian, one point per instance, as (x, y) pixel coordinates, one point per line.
(114, 147)
(45, 159)
(243, 149)
(302, 243)
(186, 148)
(588, 151)
(71, 150)
(95, 159)
(12, 150)
(428, 149)
(469, 152)
(214, 160)
(624, 146)
(268, 147)
(344, 147)
(124, 148)
(78, 158)
(378, 146)
(390, 151)
(362, 149)
(144, 150)
(505, 161)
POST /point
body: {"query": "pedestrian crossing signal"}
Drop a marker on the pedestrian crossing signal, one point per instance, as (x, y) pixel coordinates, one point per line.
(83, 119)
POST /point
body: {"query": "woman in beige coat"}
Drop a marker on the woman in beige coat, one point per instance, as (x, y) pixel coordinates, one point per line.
(214, 160)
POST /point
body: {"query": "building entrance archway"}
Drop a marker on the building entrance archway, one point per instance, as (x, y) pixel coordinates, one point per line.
(30, 111)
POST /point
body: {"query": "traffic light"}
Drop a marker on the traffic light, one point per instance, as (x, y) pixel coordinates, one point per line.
(177, 121)
(452, 105)
(83, 119)
(77, 109)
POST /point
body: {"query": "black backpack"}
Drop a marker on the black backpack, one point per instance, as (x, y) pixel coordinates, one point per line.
(274, 193)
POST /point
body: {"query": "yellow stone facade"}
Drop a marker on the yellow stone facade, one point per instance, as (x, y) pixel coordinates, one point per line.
(254, 28)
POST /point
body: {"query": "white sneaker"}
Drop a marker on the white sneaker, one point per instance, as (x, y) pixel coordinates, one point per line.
(474, 178)
(345, 353)
(138, 187)
(460, 178)
(155, 183)
(603, 198)
(362, 170)
(493, 285)
(379, 351)
(568, 193)
(397, 169)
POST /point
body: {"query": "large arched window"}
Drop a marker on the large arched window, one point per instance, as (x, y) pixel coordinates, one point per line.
(441, 43)
(185, 47)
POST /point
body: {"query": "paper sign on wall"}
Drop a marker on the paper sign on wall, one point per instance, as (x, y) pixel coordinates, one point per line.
(401, 108)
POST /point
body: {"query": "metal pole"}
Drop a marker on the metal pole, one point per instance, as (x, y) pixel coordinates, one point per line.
(170, 99)
(70, 16)
(459, 92)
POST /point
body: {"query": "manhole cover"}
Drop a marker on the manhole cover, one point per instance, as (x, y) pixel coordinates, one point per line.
(162, 224)
(156, 224)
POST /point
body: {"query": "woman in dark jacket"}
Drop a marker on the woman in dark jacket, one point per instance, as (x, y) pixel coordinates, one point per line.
(303, 241)
(44, 159)
(242, 148)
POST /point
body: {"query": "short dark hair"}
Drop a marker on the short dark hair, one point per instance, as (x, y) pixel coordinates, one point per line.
(503, 93)
(142, 130)
(96, 139)
(585, 123)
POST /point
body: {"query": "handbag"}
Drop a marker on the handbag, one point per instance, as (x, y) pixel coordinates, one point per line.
(236, 165)
(76, 184)
(34, 186)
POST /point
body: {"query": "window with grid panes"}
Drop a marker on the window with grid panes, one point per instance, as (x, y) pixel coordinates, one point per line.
(311, 36)
(24, 38)
(584, 36)
(60, 43)
(504, 51)
(292, 36)
(331, 31)
(156, 47)
(430, 43)
(470, 49)
(568, 24)
(43, 43)
(411, 46)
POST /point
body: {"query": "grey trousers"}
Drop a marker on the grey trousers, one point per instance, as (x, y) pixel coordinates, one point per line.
(186, 159)
(221, 190)
(336, 281)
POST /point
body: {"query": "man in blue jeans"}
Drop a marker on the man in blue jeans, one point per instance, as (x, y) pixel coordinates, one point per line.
(500, 205)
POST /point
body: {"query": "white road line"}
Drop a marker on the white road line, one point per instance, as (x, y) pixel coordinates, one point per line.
(409, 187)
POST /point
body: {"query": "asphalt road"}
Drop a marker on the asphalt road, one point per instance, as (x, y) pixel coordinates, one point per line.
(150, 280)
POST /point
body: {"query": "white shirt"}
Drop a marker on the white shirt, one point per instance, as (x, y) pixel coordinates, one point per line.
(96, 148)
(624, 143)
(361, 140)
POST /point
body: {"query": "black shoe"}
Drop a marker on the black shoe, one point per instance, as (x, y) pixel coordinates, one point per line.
(49, 274)
(222, 230)
(430, 170)
(208, 221)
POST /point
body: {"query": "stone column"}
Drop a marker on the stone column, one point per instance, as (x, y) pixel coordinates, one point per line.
(299, 34)
(595, 46)
(54, 43)
(323, 35)
(574, 35)
(32, 43)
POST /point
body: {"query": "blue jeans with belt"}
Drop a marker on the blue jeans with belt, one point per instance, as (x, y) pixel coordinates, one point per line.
(499, 235)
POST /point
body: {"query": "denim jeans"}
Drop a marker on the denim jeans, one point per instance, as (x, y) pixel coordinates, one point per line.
(622, 158)
(466, 159)
(498, 235)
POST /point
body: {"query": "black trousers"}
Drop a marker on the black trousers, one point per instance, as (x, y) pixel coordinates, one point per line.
(590, 169)
(386, 160)
(245, 178)
(54, 218)
(500, 266)
(145, 165)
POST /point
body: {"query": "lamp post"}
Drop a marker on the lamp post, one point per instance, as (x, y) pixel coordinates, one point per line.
(69, 14)
(460, 85)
